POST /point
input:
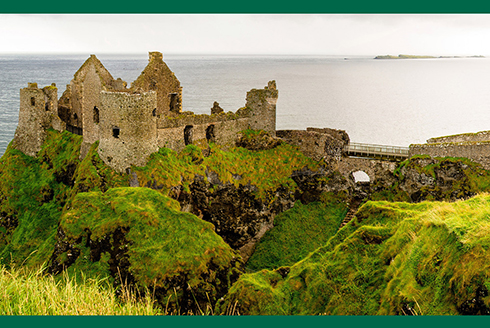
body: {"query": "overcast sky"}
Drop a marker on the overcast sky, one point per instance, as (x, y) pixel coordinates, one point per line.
(361, 34)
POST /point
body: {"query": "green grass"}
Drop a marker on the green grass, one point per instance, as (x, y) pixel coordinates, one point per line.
(27, 292)
(297, 232)
(34, 192)
(430, 258)
(267, 169)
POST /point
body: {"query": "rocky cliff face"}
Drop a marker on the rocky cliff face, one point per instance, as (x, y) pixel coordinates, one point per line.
(448, 179)
(240, 217)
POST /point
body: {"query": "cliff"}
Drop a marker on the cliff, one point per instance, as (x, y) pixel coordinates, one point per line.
(256, 228)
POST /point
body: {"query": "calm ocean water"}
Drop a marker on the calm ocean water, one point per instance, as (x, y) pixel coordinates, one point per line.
(392, 102)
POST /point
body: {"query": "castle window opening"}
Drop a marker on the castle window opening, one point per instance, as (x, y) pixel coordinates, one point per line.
(173, 102)
(188, 134)
(115, 132)
(154, 112)
(96, 115)
(210, 133)
(33, 101)
(75, 116)
(46, 107)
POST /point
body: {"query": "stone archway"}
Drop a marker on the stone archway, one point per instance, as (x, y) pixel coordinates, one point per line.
(361, 177)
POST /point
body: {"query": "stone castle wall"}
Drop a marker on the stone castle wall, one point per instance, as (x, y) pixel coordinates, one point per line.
(465, 137)
(478, 152)
(90, 104)
(262, 103)
(127, 128)
(133, 123)
(37, 113)
(317, 143)
(159, 78)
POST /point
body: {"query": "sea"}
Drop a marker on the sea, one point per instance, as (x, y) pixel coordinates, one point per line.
(388, 102)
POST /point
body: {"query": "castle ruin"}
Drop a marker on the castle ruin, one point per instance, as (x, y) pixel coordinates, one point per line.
(132, 123)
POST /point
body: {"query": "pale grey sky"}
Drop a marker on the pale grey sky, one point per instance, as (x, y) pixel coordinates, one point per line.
(329, 34)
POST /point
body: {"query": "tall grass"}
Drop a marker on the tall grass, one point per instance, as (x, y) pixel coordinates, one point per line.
(27, 292)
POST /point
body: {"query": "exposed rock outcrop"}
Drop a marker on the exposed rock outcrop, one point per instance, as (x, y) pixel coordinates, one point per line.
(139, 238)
(240, 217)
(438, 179)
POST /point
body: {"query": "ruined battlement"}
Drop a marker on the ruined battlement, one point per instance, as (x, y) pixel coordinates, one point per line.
(262, 106)
(317, 143)
(132, 123)
(37, 113)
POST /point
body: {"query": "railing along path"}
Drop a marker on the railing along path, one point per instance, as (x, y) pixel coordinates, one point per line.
(376, 151)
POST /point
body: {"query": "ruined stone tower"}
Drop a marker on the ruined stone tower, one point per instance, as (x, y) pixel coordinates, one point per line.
(158, 77)
(79, 105)
(38, 112)
(262, 103)
(127, 128)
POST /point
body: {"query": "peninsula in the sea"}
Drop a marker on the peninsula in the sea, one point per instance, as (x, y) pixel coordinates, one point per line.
(422, 57)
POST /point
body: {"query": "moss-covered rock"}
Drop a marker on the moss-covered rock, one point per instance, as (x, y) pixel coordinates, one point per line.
(442, 179)
(33, 192)
(429, 258)
(139, 236)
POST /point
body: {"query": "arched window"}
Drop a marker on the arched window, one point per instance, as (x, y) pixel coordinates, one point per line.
(174, 102)
(210, 133)
(188, 134)
(75, 116)
(96, 115)
(33, 101)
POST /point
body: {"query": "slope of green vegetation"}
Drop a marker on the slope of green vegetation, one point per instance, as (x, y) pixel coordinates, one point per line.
(34, 191)
(161, 242)
(297, 232)
(267, 169)
(430, 258)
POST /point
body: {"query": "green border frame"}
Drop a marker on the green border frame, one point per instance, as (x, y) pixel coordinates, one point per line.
(249, 6)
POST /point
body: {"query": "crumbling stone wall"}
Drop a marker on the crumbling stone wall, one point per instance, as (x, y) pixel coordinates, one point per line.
(77, 103)
(478, 152)
(221, 132)
(159, 78)
(221, 128)
(464, 137)
(262, 106)
(133, 123)
(37, 113)
(127, 128)
(317, 143)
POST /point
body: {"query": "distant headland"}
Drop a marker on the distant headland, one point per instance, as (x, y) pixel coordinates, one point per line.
(422, 57)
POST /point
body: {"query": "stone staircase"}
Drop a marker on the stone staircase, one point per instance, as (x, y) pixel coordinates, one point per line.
(355, 203)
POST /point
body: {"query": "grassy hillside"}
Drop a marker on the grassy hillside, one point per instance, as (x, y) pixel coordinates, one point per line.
(430, 258)
(298, 232)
